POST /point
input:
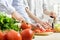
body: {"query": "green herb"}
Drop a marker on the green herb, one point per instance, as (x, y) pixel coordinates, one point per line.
(7, 23)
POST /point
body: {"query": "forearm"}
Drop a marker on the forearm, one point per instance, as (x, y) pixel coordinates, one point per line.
(33, 16)
(50, 13)
(17, 16)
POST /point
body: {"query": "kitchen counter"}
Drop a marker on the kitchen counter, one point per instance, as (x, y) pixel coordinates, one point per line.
(54, 36)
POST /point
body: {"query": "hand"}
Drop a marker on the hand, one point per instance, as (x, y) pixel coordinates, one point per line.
(38, 26)
(47, 25)
(52, 14)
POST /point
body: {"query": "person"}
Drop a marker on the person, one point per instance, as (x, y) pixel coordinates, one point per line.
(39, 7)
(43, 9)
(8, 7)
(20, 6)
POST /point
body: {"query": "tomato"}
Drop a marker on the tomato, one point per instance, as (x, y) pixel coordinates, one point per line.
(49, 30)
(37, 31)
(27, 34)
(5, 37)
(1, 35)
(12, 35)
(25, 26)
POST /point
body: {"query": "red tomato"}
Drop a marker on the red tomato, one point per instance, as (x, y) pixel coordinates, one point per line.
(37, 31)
(1, 35)
(12, 35)
(26, 26)
(27, 34)
(49, 30)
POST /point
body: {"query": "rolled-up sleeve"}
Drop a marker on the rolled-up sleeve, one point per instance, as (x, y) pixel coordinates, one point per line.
(6, 7)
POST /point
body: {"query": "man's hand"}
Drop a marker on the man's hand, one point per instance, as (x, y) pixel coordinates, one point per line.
(50, 13)
(46, 25)
(53, 15)
(37, 25)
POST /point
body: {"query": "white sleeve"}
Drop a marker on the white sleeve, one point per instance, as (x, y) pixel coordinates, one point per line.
(45, 5)
(5, 5)
(26, 3)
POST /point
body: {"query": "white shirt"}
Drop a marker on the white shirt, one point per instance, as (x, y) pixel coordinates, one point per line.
(40, 6)
(5, 6)
(37, 7)
(9, 6)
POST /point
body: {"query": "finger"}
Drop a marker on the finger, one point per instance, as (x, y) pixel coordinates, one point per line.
(44, 23)
(40, 27)
(45, 26)
(48, 24)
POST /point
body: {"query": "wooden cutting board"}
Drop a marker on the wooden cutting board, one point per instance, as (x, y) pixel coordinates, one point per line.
(43, 34)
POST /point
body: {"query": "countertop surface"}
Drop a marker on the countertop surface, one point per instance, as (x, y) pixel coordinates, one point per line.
(53, 36)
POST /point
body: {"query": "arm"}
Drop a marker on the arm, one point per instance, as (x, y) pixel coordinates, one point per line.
(37, 20)
(20, 8)
(17, 16)
(9, 9)
(53, 14)
(33, 16)
(46, 11)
